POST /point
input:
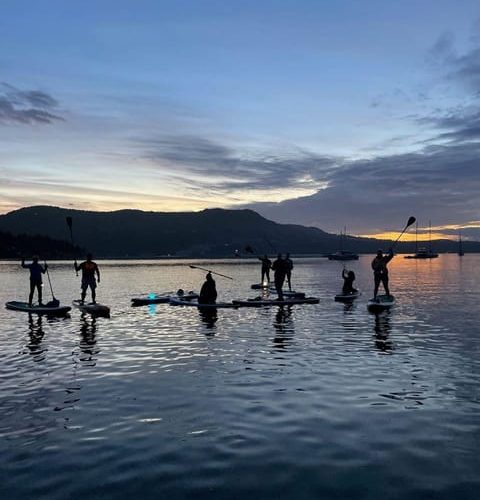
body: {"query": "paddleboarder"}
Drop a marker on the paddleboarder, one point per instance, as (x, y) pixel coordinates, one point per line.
(380, 271)
(89, 270)
(36, 282)
(266, 266)
(289, 264)
(348, 279)
(280, 268)
(208, 292)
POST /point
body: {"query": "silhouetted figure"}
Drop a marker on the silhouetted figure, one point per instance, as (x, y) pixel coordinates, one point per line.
(266, 266)
(348, 279)
(280, 268)
(289, 263)
(36, 282)
(208, 293)
(89, 270)
(380, 271)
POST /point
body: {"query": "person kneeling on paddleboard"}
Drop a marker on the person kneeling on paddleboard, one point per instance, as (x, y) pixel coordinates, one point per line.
(380, 271)
(36, 271)
(89, 269)
(348, 279)
(208, 293)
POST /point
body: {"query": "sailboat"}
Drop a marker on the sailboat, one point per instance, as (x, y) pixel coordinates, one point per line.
(461, 253)
(424, 252)
(342, 254)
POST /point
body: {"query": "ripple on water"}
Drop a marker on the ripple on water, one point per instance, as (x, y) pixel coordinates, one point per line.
(323, 401)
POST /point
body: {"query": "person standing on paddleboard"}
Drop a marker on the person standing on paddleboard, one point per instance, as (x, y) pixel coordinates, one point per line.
(36, 271)
(280, 268)
(266, 266)
(380, 271)
(208, 293)
(289, 264)
(89, 270)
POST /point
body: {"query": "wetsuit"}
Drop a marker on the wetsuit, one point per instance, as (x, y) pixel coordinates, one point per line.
(380, 272)
(280, 267)
(89, 270)
(208, 292)
(266, 265)
(36, 271)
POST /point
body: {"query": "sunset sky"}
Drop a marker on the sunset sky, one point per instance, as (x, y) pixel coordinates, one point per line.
(356, 113)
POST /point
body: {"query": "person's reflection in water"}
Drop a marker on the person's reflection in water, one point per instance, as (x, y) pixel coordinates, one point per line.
(88, 342)
(35, 334)
(283, 327)
(209, 318)
(382, 332)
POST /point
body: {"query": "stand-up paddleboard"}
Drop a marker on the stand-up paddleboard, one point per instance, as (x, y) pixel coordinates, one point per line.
(93, 309)
(36, 309)
(381, 303)
(153, 298)
(194, 303)
(347, 297)
(263, 286)
(261, 302)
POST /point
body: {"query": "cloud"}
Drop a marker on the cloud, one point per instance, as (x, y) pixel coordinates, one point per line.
(26, 106)
(463, 68)
(221, 167)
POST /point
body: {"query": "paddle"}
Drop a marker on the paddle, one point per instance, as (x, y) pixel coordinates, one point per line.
(210, 271)
(70, 226)
(57, 302)
(411, 220)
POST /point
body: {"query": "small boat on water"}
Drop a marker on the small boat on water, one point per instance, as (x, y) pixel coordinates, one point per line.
(423, 252)
(342, 254)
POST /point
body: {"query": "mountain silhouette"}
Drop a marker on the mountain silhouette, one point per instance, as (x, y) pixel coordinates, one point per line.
(208, 233)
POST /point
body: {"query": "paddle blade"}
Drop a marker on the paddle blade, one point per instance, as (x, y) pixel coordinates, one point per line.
(411, 221)
(69, 222)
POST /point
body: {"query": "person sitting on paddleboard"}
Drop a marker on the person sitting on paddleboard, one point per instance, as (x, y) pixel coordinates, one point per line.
(89, 269)
(266, 266)
(289, 264)
(36, 271)
(380, 271)
(208, 292)
(348, 279)
(280, 268)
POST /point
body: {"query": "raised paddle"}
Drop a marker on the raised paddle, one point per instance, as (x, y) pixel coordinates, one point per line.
(411, 220)
(210, 271)
(70, 226)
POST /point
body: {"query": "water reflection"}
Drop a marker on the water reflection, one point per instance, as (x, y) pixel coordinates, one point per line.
(284, 328)
(209, 317)
(36, 335)
(88, 342)
(382, 331)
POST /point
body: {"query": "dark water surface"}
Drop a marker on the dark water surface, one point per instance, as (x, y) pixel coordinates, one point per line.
(313, 402)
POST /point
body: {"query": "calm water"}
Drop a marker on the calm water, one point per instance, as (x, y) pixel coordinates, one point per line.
(321, 401)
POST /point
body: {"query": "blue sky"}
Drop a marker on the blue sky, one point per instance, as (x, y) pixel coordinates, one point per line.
(313, 112)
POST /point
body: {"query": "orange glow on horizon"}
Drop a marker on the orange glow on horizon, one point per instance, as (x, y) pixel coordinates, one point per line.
(393, 235)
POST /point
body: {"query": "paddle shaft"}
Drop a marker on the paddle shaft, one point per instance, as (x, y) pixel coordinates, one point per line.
(70, 226)
(411, 220)
(49, 280)
(210, 271)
